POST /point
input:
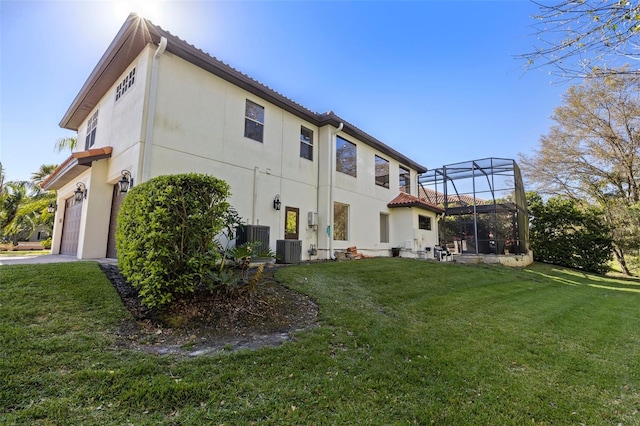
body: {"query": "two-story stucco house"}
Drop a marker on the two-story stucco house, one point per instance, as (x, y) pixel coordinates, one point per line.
(156, 105)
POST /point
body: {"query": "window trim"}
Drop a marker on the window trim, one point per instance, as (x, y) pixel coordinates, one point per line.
(384, 236)
(304, 143)
(406, 188)
(126, 84)
(385, 182)
(346, 222)
(355, 160)
(92, 126)
(248, 119)
(291, 235)
(429, 225)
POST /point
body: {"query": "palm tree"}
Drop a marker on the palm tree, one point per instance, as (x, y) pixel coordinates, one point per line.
(68, 143)
(11, 199)
(1, 177)
(39, 176)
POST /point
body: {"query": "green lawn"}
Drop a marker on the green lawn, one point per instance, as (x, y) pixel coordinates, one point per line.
(401, 342)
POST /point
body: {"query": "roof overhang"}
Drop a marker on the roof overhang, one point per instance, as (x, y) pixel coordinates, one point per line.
(132, 38)
(407, 200)
(74, 166)
(136, 33)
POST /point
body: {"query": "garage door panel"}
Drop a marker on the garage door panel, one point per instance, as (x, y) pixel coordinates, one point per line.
(71, 227)
(113, 222)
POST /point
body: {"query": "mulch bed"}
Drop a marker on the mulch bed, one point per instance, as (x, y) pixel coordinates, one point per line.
(207, 323)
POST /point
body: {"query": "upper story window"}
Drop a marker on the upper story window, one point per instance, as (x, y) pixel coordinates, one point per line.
(382, 172)
(346, 157)
(306, 143)
(126, 83)
(92, 124)
(405, 180)
(254, 121)
(424, 222)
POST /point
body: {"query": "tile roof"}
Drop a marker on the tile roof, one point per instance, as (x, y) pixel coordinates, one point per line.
(136, 33)
(408, 200)
(73, 166)
(432, 196)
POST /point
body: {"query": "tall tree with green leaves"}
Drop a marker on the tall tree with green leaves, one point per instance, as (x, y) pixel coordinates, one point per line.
(24, 206)
(592, 155)
(564, 233)
(581, 38)
(39, 176)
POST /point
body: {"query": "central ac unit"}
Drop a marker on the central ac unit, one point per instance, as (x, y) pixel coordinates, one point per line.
(252, 233)
(288, 251)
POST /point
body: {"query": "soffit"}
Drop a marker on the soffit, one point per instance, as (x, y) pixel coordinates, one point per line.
(74, 166)
(137, 32)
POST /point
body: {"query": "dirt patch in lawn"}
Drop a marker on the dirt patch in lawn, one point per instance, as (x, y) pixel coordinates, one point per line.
(206, 323)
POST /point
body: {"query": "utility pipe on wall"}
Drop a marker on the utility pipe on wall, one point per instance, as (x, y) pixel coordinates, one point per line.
(151, 112)
(332, 174)
(255, 195)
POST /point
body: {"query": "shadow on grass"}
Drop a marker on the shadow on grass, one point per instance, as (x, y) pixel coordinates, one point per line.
(574, 277)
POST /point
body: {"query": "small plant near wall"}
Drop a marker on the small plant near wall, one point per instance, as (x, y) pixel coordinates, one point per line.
(46, 244)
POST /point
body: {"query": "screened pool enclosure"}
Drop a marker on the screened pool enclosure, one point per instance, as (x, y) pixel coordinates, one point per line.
(485, 209)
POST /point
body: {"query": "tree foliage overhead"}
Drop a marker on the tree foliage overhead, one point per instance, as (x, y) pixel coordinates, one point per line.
(580, 38)
(592, 150)
(563, 234)
(592, 154)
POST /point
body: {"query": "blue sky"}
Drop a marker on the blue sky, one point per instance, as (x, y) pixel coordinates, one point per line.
(437, 81)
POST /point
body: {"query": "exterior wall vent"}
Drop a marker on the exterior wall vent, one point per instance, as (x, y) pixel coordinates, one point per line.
(288, 251)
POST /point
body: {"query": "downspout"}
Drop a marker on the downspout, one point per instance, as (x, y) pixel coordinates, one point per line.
(332, 174)
(255, 195)
(153, 95)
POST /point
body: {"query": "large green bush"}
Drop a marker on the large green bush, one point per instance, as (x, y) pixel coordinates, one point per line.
(564, 234)
(166, 234)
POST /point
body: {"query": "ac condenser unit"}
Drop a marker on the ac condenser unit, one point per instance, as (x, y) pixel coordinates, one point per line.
(288, 251)
(252, 233)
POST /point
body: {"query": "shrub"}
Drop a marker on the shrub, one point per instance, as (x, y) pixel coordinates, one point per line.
(166, 234)
(46, 244)
(563, 234)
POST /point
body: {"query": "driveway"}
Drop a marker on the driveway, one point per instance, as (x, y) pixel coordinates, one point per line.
(48, 258)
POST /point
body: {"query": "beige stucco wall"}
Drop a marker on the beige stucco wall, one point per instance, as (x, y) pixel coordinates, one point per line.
(405, 232)
(120, 126)
(198, 126)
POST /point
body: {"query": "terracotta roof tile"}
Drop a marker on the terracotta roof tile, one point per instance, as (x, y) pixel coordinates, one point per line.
(408, 200)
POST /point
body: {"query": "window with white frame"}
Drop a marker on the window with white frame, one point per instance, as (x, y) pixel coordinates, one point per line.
(346, 157)
(405, 180)
(92, 125)
(306, 143)
(254, 121)
(384, 228)
(340, 222)
(424, 222)
(125, 84)
(382, 172)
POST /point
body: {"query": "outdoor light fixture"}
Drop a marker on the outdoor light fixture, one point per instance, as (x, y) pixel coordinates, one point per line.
(52, 207)
(276, 202)
(80, 192)
(126, 182)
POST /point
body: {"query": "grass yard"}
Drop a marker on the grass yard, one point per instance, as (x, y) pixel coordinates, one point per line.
(401, 342)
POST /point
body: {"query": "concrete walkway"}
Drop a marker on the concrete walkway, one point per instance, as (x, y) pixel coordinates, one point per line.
(49, 258)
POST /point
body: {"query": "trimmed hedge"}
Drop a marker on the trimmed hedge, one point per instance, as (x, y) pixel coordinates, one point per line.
(564, 234)
(166, 234)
